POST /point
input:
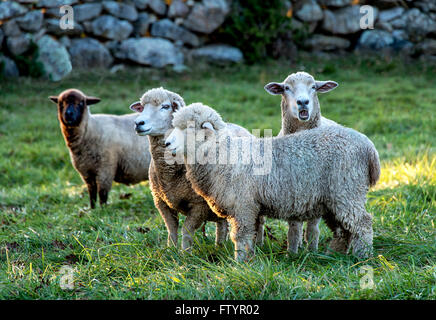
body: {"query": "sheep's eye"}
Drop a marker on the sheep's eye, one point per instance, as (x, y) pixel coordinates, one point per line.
(287, 88)
(314, 87)
(166, 106)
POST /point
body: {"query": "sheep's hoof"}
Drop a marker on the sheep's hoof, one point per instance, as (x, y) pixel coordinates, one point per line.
(291, 254)
(339, 245)
(171, 243)
(84, 211)
(363, 252)
(187, 245)
(293, 249)
(259, 241)
(187, 250)
(312, 247)
(241, 256)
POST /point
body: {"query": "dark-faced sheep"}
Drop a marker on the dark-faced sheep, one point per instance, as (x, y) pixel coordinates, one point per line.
(103, 148)
(328, 167)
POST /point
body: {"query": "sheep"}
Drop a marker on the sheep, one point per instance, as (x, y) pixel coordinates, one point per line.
(103, 148)
(328, 167)
(301, 111)
(172, 192)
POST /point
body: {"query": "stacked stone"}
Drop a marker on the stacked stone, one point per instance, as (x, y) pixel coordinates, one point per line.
(157, 33)
(399, 26)
(153, 33)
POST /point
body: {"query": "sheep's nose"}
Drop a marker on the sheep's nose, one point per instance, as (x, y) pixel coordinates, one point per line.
(69, 113)
(140, 123)
(301, 102)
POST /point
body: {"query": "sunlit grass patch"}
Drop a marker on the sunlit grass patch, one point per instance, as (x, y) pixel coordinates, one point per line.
(398, 172)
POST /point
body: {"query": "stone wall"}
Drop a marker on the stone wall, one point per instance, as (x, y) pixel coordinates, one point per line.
(399, 26)
(152, 33)
(157, 33)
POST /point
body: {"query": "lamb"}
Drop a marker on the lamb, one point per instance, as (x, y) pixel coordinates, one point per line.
(301, 111)
(327, 167)
(103, 148)
(172, 192)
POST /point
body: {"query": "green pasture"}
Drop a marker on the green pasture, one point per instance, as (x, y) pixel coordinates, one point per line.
(48, 236)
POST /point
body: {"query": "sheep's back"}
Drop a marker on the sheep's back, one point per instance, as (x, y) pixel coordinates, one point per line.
(310, 166)
(119, 141)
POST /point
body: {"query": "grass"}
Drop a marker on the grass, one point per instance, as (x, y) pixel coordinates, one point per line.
(119, 252)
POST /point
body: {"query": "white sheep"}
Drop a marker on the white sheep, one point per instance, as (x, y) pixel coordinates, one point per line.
(103, 148)
(325, 172)
(172, 192)
(301, 111)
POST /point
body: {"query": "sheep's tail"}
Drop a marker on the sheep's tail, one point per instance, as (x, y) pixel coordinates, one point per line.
(373, 166)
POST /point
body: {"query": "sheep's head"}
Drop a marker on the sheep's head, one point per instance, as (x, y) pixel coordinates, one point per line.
(72, 105)
(195, 119)
(299, 90)
(156, 109)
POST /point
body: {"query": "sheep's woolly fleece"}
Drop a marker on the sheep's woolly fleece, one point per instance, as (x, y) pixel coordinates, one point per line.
(157, 96)
(199, 114)
(301, 76)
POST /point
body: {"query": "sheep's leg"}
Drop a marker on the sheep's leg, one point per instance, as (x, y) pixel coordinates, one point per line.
(221, 232)
(92, 191)
(243, 235)
(357, 224)
(192, 223)
(362, 236)
(295, 235)
(312, 233)
(91, 184)
(341, 238)
(259, 230)
(171, 220)
(104, 185)
(340, 242)
(103, 193)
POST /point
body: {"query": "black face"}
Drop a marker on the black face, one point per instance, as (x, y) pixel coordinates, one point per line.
(72, 104)
(72, 111)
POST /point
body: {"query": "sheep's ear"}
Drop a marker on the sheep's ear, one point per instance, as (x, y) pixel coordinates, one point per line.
(175, 105)
(137, 106)
(207, 125)
(92, 100)
(54, 99)
(274, 88)
(325, 86)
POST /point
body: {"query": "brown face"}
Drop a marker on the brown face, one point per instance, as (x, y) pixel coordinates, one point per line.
(71, 106)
